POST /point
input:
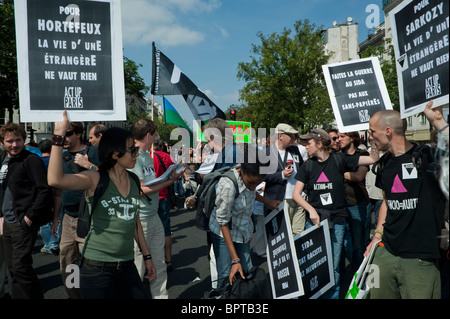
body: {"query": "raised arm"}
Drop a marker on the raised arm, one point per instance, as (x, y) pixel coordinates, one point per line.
(56, 177)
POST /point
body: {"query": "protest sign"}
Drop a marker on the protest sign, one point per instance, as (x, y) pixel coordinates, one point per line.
(281, 256)
(357, 91)
(241, 131)
(313, 248)
(69, 57)
(421, 45)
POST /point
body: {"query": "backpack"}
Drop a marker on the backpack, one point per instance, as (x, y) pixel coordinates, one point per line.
(84, 215)
(206, 195)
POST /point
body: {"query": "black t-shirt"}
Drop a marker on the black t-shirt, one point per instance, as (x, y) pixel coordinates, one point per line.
(412, 223)
(325, 180)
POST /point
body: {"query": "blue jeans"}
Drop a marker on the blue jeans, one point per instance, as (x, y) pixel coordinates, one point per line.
(50, 242)
(99, 281)
(223, 259)
(355, 245)
(337, 242)
(374, 205)
(164, 215)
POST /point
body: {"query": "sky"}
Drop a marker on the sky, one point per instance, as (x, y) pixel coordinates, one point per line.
(207, 39)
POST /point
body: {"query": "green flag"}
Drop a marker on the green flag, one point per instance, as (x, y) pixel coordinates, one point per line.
(172, 115)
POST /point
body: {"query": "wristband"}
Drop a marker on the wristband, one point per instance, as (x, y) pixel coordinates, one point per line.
(58, 140)
(441, 129)
(379, 232)
(147, 257)
(235, 261)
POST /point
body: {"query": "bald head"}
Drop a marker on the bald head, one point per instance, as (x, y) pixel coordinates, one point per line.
(390, 118)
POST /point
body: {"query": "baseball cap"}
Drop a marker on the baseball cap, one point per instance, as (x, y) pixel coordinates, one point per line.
(317, 134)
(285, 128)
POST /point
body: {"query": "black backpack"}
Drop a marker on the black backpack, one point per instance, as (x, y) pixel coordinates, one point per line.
(206, 195)
(84, 216)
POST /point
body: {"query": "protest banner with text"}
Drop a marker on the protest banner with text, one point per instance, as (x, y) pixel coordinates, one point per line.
(281, 256)
(421, 45)
(69, 56)
(357, 91)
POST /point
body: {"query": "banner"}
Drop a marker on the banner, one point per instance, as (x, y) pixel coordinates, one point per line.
(242, 131)
(357, 91)
(281, 256)
(421, 45)
(313, 248)
(69, 56)
(168, 79)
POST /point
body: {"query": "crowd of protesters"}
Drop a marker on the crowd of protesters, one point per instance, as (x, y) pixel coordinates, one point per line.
(392, 191)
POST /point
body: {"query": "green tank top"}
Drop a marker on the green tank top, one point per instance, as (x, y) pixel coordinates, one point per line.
(113, 223)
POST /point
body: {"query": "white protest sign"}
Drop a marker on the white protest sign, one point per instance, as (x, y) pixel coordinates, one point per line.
(69, 57)
(357, 91)
(421, 45)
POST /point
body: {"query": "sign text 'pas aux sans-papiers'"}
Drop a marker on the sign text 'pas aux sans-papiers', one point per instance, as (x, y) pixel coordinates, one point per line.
(70, 57)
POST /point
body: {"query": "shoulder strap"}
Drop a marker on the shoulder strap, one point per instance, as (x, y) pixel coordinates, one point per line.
(230, 175)
(101, 187)
(338, 160)
(162, 162)
(138, 183)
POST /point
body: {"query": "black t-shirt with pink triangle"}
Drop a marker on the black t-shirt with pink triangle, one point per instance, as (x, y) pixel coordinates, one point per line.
(325, 180)
(412, 225)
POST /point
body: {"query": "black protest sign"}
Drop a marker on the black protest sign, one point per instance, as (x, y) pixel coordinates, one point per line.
(67, 49)
(281, 257)
(357, 91)
(421, 45)
(314, 255)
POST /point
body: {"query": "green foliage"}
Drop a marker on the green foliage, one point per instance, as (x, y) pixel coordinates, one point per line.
(134, 83)
(389, 71)
(9, 98)
(284, 80)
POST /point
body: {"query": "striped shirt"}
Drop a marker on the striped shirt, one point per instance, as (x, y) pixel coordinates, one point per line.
(239, 211)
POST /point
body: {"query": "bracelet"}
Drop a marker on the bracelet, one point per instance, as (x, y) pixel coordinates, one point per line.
(58, 140)
(379, 232)
(147, 257)
(235, 261)
(441, 129)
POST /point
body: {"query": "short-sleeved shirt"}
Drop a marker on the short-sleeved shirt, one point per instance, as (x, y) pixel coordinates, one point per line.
(325, 184)
(145, 171)
(113, 223)
(412, 224)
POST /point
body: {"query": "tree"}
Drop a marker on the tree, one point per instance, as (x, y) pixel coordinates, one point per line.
(9, 99)
(136, 88)
(388, 69)
(284, 80)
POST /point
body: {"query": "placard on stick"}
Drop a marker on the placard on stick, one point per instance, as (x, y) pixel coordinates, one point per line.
(421, 45)
(69, 56)
(357, 91)
(281, 256)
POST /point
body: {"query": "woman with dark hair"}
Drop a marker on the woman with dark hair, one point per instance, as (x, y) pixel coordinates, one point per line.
(108, 269)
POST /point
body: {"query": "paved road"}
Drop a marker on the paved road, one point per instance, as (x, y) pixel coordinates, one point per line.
(189, 279)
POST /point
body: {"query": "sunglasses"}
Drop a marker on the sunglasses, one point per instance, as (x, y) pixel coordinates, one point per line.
(335, 138)
(132, 150)
(69, 133)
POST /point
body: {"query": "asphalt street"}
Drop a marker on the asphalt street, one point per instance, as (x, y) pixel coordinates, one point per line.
(190, 278)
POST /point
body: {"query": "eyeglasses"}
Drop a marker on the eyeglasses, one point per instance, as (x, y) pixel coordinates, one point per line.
(335, 138)
(69, 133)
(132, 150)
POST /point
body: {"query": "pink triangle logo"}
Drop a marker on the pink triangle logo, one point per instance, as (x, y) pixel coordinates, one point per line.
(398, 187)
(322, 178)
